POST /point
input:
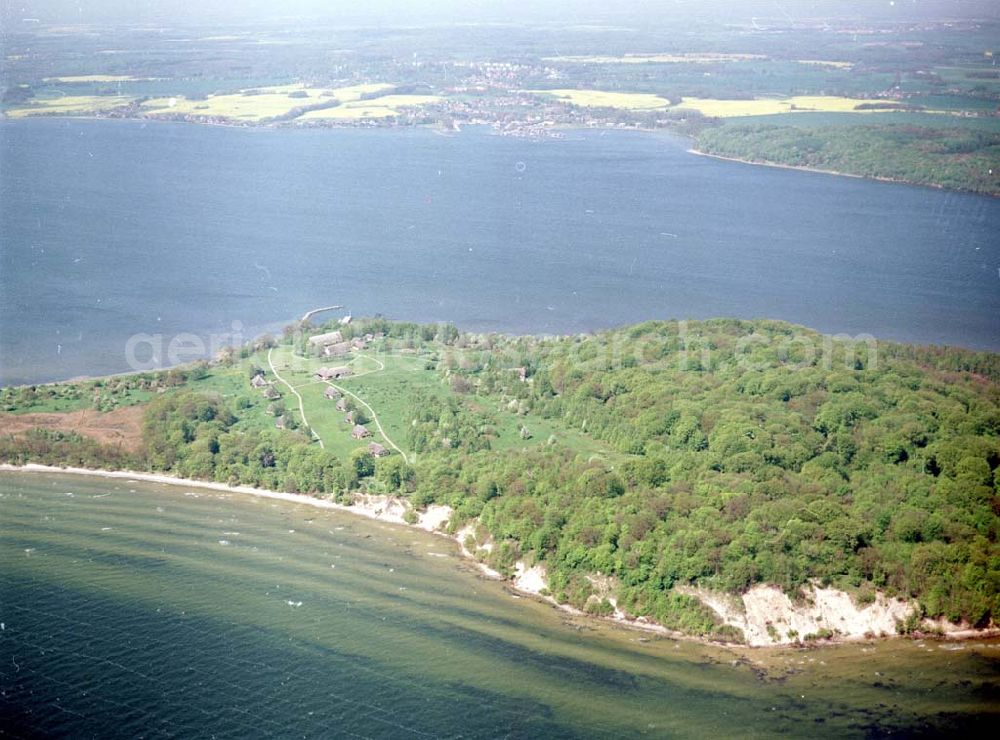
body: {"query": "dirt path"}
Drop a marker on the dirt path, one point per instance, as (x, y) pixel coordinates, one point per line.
(302, 408)
(371, 411)
(374, 416)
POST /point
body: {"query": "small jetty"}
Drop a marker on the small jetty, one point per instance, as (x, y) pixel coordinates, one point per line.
(309, 314)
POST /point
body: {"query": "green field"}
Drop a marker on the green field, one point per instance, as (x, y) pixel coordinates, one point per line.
(387, 381)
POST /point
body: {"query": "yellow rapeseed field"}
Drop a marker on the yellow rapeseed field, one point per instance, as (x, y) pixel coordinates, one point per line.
(602, 99)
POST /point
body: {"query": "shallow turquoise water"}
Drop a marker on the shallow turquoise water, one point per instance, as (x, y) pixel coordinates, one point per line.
(113, 228)
(136, 609)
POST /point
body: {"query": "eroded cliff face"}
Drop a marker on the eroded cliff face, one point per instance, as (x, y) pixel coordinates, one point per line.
(764, 614)
(767, 616)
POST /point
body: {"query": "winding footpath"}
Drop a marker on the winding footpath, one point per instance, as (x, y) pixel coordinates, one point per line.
(302, 408)
(371, 411)
(374, 416)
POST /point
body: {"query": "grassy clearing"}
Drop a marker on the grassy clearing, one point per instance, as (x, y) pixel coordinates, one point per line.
(387, 382)
(232, 384)
(541, 430)
(603, 99)
(384, 381)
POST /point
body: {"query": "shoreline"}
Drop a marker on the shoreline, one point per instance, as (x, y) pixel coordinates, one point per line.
(280, 125)
(377, 508)
(388, 510)
(836, 173)
(381, 509)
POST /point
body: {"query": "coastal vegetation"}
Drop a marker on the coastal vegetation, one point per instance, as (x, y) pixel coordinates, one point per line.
(960, 159)
(632, 464)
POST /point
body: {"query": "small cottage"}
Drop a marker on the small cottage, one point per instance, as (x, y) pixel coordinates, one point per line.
(331, 393)
(377, 450)
(360, 432)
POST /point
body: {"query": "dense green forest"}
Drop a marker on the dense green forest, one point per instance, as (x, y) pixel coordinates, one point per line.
(960, 159)
(732, 453)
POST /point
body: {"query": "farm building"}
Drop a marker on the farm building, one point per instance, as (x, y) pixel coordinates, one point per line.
(360, 432)
(332, 373)
(331, 393)
(377, 450)
(323, 340)
(337, 350)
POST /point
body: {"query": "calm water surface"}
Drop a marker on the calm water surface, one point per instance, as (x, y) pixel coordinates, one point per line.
(131, 609)
(110, 228)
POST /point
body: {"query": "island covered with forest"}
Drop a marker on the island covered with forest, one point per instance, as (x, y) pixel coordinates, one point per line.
(649, 473)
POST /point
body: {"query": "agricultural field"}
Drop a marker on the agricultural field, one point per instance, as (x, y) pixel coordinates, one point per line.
(70, 105)
(727, 108)
(604, 99)
(714, 108)
(259, 104)
(253, 105)
(382, 107)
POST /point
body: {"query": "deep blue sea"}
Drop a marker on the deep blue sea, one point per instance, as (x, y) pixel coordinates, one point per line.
(112, 228)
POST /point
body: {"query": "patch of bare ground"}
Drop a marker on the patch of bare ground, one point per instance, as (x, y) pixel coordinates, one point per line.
(119, 428)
